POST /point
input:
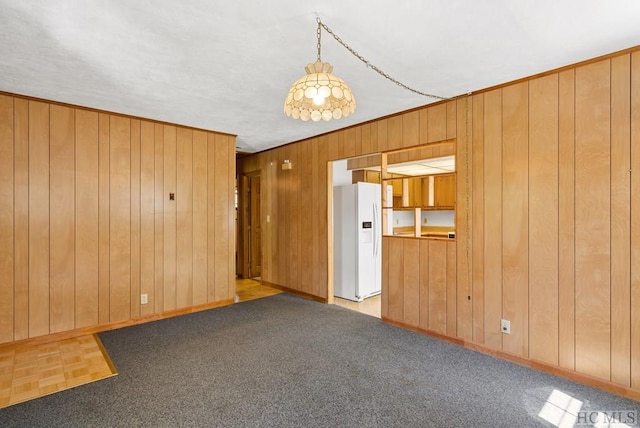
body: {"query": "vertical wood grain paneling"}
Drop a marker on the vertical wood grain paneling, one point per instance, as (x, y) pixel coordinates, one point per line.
(221, 174)
(592, 220)
(39, 236)
(293, 218)
(200, 205)
(566, 224)
(135, 219)
(451, 119)
(365, 139)
(322, 262)
(463, 220)
(411, 282)
(383, 139)
(21, 218)
(437, 123)
(6, 219)
(515, 276)
(452, 319)
(147, 215)
(384, 296)
(159, 202)
(394, 132)
(477, 218)
(424, 284)
(230, 211)
(308, 215)
(438, 286)
(120, 218)
(211, 217)
(620, 220)
(349, 143)
(103, 218)
(396, 277)
(86, 217)
(543, 219)
(317, 215)
(411, 128)
(493, 218)
(423, 131)
(61, 219)
(170, 225)
(635, 221)
(375, 146)
(184, 244)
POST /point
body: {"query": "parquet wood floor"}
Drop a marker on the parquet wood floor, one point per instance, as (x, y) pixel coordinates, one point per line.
(31, 371)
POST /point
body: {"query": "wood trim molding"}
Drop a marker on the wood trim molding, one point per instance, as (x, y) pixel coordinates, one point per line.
(115, 325)
(571, 375)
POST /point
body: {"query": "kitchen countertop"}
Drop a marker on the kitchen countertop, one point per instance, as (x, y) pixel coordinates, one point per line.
(432, 232)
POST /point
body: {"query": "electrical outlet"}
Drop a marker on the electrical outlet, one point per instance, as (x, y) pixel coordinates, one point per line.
(144, 299)
(424, 220)
(505, 326)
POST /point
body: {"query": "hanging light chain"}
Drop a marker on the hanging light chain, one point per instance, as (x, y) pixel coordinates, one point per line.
(319, 34)
(367, 63)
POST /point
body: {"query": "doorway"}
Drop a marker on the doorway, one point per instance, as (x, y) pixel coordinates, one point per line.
(250, 226)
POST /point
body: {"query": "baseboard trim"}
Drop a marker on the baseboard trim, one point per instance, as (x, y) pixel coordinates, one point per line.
(572, 375)
(296, 292)
(115, 325)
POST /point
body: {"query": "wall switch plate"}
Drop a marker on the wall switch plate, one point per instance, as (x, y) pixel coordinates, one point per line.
(505, 326)
(144, 299)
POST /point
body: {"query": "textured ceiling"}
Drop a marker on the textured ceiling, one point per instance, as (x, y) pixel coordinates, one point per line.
(227, 65)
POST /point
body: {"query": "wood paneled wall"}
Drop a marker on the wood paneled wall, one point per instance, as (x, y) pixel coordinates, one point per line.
(87, 226)
(547, 219)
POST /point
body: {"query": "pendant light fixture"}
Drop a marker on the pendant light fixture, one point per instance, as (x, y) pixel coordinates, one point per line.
(319, 94)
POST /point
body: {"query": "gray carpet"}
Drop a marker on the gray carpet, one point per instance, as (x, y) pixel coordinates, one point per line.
(287, 362)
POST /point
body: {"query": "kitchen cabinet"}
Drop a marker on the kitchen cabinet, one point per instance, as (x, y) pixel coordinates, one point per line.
(444, 189)
(365, 175)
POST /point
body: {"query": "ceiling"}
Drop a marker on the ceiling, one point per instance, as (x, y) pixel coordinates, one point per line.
(227, 65)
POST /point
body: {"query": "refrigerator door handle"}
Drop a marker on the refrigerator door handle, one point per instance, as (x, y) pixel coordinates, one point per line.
(375, 229)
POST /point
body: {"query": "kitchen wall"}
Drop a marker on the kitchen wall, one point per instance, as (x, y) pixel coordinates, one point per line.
(547, 219)
(87, 224)
(433, 218)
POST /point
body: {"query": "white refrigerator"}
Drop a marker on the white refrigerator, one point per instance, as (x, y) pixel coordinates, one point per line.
(357, 219)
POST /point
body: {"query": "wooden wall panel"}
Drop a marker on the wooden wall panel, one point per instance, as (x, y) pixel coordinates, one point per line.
(211, 218)
(384, 295)
(396, 277)
(543, 219)
(221, 197)
(349, 143)
(147, 215)
(120, 219)
(515, 281)
(159, 202)
(452, 319)
(61, 219)
(423, 131)
(86, 218)
(592, 219)
(293, 215)
(316, 238)
(477, 218)
(365, 139)
(308, 214)
(394, 132)
(438, 286)
(452, 107)
(411, 282)
(104, 271)
(635, 221)
(322, 206)
(184, 201)
(493, 218)
(200, 206)
(620, 220)
(135, 181)
(424, 284)
(566, 224)
(463, 314)
(170, 220)
(383, 139)
(231, 214)
(21, 218)
(437, 123)
(6, 219)
(39, 235)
